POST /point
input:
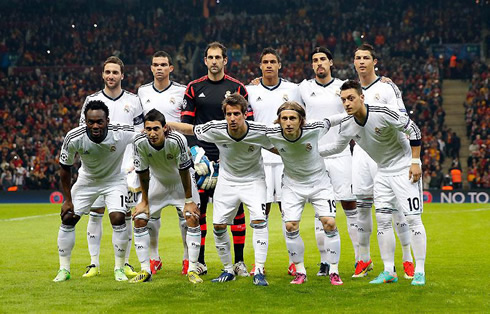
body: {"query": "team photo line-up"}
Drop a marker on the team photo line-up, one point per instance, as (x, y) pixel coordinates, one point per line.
(271, 141)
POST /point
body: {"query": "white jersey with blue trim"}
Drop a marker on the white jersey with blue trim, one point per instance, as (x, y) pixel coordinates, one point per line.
(168, 101)
(265, 100)
(380, 93)
(323, 101)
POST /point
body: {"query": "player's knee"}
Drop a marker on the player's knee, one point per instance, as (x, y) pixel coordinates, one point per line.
(328, 223)
(70, 219)
(414, 221)
(292, 226)
(383, 218)
(258, 224)
(99, 210)
(219, 228)
(117, 218)
(349, 205)
(139, 222)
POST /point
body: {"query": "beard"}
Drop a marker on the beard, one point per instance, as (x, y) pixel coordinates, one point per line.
(322, 75)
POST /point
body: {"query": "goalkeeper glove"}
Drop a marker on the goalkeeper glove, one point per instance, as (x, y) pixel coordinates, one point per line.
(201, 162)
(211, 179)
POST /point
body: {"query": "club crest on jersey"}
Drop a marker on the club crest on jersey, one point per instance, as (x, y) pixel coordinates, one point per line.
(170, 156)
(377, 131)
(184, 104)
(251, 149)
(113, 148)
(337, 92)
(228, 93)
(377, 97)
(172, 101)
(126, 108)
(308, 147)
(285, 97)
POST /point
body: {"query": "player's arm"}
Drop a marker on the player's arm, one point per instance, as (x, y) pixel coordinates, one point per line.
(184, 128)
(190, 208)
(143, 206)
(333, 148)
(336, 119)
(65, 176)
(138, 119)
(188, 113)
(82, 116)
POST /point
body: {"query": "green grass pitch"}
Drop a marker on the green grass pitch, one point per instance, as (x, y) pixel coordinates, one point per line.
(457, 277)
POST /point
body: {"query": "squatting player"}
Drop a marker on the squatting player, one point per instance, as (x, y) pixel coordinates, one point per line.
(166, 96)
(241, 180)
(381, 132)
(202, 103)
(305, 180)
(101, 148)
(125, 109)
(166, 155)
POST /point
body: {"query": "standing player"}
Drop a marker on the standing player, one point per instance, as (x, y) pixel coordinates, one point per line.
(305, 180)
(101, 148)
(321, 101)
(202, 103)
(377, 93)
(125, 109)
(166, 96)
(265, 98)
(241, 180)
(167, 156)
(380, 131)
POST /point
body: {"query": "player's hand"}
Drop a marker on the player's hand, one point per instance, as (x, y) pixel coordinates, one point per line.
(255, 81)
(201, 161)
(385, 79)
(67, 208)
(212, 178)
(415, 173)
(141, 208)
(191, 210)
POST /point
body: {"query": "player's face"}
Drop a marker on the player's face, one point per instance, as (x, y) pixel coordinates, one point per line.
(364, 62)
(112, 75)
(235, 118)
(270, 66)
(161, 68)
(96, 122)
(351, 100)
(321, 65)
(155, 132)
(215, 61)
(290, 122)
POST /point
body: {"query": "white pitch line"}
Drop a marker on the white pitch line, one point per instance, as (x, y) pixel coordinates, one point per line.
(27, 217)
(462, 211)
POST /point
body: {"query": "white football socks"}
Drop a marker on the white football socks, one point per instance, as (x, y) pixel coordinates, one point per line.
(154, 231)
(386, 239)
(222, 242)
(364, 228)
(193, 240)
(142, 247)
(296, 250)
(260, 244)
(351, 216)
(332, 246)
(120, 243)
(129, 230)
(94, 236)
(419, 242)
(66, 242)
(183, 233)
(320, 240)
(404, 235)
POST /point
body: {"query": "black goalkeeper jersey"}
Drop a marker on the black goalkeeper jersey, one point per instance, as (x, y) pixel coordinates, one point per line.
(202, 103)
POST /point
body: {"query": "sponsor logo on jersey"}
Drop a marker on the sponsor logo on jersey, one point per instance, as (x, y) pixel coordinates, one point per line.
(308, 147)
(113, 148)
(201, 95)
(285, 97)
(377, 131)
(251, 148)
(170, 156)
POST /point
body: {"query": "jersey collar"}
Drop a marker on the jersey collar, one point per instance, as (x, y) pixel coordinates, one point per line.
(324, 85)
(241, 138)
(158, 91)
(375, 81)
(90, 137)
(300, 135)
(367, 116)
(113, 99)
(271, 88)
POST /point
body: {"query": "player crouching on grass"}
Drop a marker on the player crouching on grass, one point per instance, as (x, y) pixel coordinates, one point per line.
(241, 179)
(101, 148)
(305, 180)
(166, 155)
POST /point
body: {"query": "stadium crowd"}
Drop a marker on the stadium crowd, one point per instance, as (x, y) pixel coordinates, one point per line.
(57, 55)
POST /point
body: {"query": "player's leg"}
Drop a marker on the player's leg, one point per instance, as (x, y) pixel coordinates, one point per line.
(238, 230)
(183, 233)
(94, 236)
(402, 229)
(385, 202)
(193, 241)
(142, 248)
(225, 205)
(134, 190)
(115, 199)
(254, 196)
(204, 196)
(409, 196)
(154, 231)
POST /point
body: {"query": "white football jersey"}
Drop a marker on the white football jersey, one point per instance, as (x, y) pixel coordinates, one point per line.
(165, 163)
(380, 137)
(167, 101)
(240, 159)
(380, 93)
(265, 100)
(100, 161)
(322, 101)
(302, 161)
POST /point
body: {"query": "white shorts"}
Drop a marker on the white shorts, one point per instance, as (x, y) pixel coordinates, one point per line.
(273, 179)
(113, 194)
(132, 194)
(295, 196)
(227, 197)
(398, 192)
(161, 196)
(364, 169)
(340, 172)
